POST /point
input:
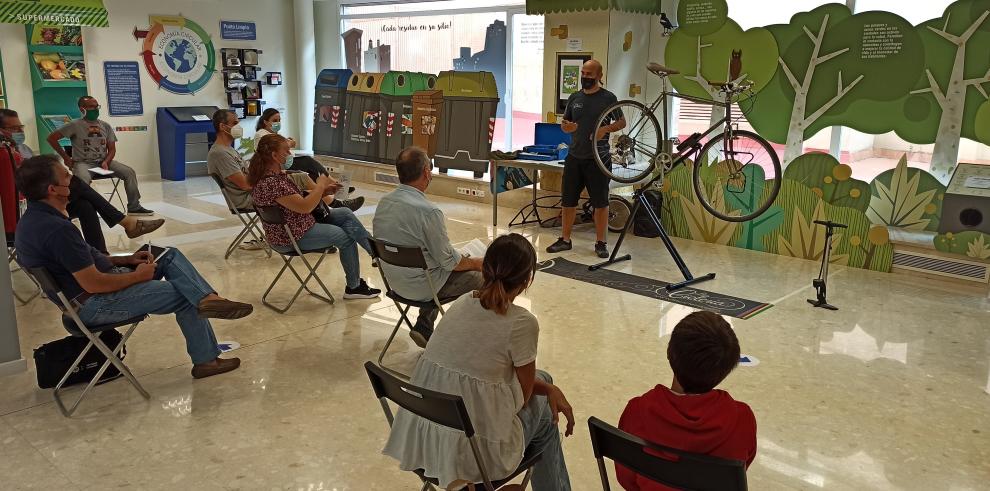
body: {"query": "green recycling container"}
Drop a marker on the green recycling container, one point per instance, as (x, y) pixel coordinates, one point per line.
(396, 93)
(467, 123)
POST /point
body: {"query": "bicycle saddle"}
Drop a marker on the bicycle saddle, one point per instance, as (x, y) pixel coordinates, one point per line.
(661, 70)
(720, 85)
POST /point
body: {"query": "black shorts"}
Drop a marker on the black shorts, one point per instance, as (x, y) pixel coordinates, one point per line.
(580, 174)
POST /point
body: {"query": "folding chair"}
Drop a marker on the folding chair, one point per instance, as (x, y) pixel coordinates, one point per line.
(115, 181)
(76, 327)
(671, 467)
(403, 257)
(11, 260)
(272, 215)
(443, 409)
(248, 217)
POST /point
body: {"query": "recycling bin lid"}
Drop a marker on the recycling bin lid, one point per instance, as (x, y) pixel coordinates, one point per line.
(192, 113)
(405, 83)
(333, 77)
(468, 84)
(369, 83)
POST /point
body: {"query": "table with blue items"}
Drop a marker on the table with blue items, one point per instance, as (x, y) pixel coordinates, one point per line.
(531, 210)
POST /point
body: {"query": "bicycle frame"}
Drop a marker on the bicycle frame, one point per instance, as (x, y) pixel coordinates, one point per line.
(692, 143)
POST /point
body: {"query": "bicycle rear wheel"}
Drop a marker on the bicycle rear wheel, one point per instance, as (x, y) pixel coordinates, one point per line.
(737, 179)
(627, 155)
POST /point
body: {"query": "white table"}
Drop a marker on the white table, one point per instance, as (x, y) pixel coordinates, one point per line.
(531, 165)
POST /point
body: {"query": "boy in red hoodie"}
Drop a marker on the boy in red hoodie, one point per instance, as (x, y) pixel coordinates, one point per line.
(692, 415)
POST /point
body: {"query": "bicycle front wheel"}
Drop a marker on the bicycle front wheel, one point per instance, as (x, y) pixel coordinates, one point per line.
(737, 179)
(627, 155)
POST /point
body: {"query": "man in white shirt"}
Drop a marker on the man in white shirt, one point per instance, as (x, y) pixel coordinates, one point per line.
(406, 217)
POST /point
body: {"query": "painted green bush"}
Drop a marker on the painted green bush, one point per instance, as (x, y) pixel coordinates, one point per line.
(905, 197)
(972, 244)
(830, 180)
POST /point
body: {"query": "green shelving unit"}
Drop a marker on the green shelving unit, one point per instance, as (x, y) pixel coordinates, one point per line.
(53, 97)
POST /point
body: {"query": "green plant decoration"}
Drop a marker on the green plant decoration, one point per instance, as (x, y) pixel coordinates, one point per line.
(830, 180)
(746, 202)
(970, 243)
(245, 147)
(704, 226)
(906, 198)
(807, 239)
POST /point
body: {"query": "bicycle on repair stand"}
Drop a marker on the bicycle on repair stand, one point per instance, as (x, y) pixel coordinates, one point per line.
(736, 173)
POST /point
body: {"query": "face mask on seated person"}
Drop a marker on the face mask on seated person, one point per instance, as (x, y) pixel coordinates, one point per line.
(288, 162)
(236, 131)
(18, 137)
(276, 126)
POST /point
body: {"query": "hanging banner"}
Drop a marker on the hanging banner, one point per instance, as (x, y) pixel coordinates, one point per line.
(54, 12)
(635, 6)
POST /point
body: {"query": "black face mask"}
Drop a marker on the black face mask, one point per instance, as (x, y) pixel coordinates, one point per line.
(588, 83)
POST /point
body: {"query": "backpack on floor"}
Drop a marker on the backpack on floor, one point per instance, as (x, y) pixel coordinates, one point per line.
(53, 359)
(642, 224)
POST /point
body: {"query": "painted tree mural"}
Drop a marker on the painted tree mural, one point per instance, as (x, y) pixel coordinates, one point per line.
(703, 56)
(828, 60)
(954, 85)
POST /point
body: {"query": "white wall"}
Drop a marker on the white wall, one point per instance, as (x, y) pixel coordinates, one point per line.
(20, 98)
(276, 29)
(327, 18)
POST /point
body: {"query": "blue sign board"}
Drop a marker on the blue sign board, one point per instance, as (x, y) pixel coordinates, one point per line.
(123, 88)
(241, 31)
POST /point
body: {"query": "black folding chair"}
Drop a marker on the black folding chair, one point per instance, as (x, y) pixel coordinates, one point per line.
(443, 409)
(12, 261)
(76, 327)
(247, 216)
(404, 257)
(668, 466)
(115, 182)
(272, 215)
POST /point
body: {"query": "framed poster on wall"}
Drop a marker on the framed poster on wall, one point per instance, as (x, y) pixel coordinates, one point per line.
(569, 76)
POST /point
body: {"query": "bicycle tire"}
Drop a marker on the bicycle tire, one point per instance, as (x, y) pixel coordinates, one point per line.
(646, 163)
(619, 211)
(774, 181)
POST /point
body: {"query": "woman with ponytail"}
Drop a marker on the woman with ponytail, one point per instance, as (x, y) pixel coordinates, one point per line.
(484, 350)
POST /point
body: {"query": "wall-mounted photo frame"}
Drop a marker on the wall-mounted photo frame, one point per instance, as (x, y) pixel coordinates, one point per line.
(231, 57)
(273, 78)
(250, 57)
(252, 90)
(235, 98)
(569, 76)
(252, 108)
(250, 73)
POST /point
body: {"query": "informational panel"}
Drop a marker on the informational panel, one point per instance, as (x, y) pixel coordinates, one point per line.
(238, 30)
(123, 88)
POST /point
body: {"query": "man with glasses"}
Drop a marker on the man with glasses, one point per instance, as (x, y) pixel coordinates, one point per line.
(94, 145)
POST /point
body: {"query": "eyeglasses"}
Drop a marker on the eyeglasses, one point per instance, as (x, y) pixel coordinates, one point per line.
(13, 128)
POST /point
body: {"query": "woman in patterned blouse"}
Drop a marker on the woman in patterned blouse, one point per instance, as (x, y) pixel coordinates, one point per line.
(337, 227)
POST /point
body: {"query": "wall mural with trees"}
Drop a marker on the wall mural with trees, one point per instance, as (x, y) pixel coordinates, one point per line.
(874, 72)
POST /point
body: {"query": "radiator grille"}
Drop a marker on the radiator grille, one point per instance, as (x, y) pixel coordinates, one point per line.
(941, 266)
(386, 178)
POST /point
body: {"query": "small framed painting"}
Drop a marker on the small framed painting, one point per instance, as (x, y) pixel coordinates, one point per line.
(569, 76)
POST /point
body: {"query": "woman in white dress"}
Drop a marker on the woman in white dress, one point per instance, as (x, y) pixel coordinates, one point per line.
(484, 350)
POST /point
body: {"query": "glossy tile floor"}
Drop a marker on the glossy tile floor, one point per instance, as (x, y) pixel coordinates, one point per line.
(890, 392)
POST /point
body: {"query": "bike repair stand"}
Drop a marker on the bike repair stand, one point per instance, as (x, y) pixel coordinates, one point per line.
(819, 283)
(640, 201)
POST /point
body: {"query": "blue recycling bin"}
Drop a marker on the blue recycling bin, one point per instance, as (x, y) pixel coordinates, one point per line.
(331, 102)
(174, 125)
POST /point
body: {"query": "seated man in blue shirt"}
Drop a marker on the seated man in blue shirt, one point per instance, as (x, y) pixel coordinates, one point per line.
(105, 288)
(405, 217)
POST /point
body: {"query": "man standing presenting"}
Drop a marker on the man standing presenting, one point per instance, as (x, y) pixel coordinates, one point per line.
(94, 144)
(580, 169)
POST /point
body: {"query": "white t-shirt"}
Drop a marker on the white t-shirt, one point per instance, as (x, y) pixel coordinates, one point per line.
(473, 354)
(258, 134)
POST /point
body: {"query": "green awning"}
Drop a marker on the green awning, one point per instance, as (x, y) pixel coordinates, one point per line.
(54, 12)
(549, 6)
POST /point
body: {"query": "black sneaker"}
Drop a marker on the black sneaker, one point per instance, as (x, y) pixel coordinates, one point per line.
(362, 291)
(560, 246)
(354, 203)
(420, 336)
(601, 249)
(350, 190)
(140, 211)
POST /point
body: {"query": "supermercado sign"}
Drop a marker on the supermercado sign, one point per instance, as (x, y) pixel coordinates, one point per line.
(54, 12)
